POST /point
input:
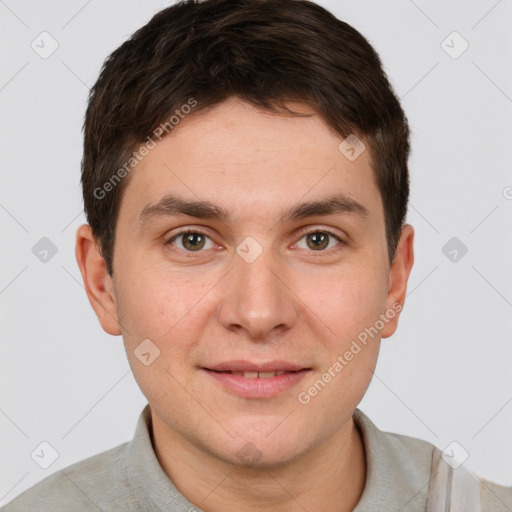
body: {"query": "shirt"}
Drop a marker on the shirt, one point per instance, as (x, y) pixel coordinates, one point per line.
(129, 478)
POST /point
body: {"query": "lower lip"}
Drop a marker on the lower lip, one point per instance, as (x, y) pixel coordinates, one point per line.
(255, 387)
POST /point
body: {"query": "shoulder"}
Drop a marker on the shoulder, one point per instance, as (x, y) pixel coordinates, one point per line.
(97, 483)
(409, 444)
(397, 468)
(404, 469)
(495, 497)
(408, 454)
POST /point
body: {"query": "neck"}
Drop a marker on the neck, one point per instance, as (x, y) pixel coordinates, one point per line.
(331, 477)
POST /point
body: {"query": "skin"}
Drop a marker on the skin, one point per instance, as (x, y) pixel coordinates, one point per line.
(295, 303)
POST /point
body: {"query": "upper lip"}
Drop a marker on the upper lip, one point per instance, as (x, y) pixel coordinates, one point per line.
(248, 366)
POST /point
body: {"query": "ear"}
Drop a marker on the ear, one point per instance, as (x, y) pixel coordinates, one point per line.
(98, 284)
(398, 278)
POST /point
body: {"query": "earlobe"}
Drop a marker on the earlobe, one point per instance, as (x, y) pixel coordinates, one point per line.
(398, 279)
(98, 284)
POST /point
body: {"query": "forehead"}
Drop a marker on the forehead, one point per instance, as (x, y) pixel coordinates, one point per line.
(250, 160)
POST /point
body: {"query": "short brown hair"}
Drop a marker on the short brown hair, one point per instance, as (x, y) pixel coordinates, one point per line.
(266, 52)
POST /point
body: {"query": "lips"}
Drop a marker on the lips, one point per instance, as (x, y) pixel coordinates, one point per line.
(251, 380)
(241, 367)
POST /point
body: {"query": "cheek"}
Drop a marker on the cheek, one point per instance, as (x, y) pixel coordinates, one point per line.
(348, 299)
(153, 302)
(163, 309)
(350, 346)
(349, 303)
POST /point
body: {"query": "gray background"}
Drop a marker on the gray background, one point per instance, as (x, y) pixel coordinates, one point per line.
(444, 376)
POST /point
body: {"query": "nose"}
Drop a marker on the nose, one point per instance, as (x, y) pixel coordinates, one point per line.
(258, 301)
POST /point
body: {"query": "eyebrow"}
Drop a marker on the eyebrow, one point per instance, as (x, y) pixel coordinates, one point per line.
(172, 205)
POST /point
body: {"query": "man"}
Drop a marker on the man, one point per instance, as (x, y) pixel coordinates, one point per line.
(245, 183)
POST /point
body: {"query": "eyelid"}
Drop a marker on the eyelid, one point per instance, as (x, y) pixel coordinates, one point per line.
(318, 229)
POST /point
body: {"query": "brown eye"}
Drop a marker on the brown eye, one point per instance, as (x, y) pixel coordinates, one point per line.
(191, 241)
(319, 241)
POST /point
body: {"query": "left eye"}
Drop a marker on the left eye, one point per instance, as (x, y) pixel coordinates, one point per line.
(192, 241)
(319, 240)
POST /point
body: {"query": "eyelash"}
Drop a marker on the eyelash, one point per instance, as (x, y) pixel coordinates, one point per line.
(302, 235)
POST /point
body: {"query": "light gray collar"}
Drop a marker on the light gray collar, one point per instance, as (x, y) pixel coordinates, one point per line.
(398, 471)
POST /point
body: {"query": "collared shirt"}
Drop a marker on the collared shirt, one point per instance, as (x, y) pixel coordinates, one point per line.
(129, 478)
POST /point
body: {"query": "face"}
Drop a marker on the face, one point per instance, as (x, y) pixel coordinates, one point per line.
(251, 281)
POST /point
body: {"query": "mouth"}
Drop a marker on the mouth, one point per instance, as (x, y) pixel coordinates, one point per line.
(242, 366)
(249, 380)
(256, 375)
